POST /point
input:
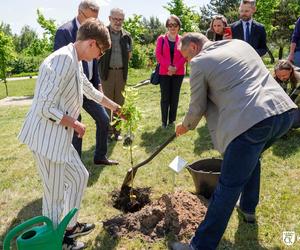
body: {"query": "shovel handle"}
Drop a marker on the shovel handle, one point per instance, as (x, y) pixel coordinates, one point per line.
(155, 153)
(132, 171)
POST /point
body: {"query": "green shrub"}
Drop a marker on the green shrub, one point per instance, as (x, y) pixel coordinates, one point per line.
(24, 74)
(138, 58)
(143, 56)
(24, 63)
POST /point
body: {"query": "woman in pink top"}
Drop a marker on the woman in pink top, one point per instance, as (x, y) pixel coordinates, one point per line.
(171, 70)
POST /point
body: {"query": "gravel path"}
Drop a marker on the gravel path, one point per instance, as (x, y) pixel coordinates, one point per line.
(16, 101)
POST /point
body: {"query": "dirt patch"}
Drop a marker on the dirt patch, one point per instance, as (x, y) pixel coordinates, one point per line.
(177, 213)
(121, 199)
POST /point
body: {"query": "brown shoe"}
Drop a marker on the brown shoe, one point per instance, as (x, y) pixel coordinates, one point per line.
(106, 161)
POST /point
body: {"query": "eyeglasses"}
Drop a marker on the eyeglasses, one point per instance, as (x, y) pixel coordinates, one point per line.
(171, 25)
(115, 19)
(101, 52)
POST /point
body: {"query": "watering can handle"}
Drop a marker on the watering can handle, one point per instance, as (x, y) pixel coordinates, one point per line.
(23, 226)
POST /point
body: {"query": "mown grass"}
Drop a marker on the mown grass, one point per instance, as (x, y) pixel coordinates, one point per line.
(18, 88)
(20, 187)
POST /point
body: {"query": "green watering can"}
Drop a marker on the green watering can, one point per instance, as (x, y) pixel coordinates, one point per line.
(40, 237)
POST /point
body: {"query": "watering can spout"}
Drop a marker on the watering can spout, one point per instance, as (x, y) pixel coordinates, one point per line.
(64, 223)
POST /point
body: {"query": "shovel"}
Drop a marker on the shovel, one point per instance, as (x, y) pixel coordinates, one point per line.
(132, 171)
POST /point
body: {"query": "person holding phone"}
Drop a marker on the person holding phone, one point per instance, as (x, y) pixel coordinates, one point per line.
(218, 26)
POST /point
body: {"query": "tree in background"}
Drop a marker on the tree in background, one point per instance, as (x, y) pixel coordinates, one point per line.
(134, 26)
(6, 54)
(154, 27)
(4, 27)
(188, 16)
(50, 29)
(279, 17)
(24, 40)
(227, 8)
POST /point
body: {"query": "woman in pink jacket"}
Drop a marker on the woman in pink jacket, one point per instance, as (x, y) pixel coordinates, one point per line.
(171, 70)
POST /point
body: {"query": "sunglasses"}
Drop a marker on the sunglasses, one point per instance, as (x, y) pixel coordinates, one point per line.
(172, 25)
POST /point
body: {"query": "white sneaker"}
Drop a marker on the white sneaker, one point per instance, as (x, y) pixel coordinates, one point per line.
(71, 244)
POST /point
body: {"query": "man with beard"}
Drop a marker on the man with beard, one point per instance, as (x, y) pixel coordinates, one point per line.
(248, 29)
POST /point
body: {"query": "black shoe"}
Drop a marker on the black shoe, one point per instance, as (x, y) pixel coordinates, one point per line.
(79, 229)
(106, 162)
(163, 125)
(247, 217)
(71, 244)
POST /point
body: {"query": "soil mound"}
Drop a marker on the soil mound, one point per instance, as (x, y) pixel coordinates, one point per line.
(177, 213)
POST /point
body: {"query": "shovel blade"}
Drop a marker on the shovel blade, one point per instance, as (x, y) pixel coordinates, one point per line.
(129, 178)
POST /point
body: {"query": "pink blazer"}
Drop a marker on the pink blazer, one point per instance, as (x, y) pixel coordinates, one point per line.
(163, 56)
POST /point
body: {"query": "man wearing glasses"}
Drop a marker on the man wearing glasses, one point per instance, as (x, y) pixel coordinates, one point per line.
(114, 64)
(65, 35)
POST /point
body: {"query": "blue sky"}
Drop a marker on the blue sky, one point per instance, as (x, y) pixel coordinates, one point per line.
(18, 13)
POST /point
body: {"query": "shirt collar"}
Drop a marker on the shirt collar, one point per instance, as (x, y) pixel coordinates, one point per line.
(250, 23)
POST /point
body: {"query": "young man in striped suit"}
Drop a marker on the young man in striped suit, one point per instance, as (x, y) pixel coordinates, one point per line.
(67, 34)
(50, 123)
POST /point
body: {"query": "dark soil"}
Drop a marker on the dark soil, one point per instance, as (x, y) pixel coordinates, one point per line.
(121, 199)
(177, 213)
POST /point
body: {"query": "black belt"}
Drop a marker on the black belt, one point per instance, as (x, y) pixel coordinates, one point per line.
(115, 68)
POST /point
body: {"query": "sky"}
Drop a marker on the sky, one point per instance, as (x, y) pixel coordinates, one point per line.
(18, 13)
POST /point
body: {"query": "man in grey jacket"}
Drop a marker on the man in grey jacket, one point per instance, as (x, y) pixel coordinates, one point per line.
(246, 111)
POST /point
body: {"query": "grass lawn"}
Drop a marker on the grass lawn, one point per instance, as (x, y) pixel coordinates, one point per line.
(20, 187)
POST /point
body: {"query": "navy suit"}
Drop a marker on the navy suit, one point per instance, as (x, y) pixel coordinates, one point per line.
(258, 35)
(67, 34)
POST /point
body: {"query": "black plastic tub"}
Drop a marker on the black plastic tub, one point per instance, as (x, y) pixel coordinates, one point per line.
(205, 175)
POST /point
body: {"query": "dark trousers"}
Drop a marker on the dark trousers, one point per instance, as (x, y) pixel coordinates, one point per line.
(170, 90)
(98, 113)
(240, 175)
(296, 123)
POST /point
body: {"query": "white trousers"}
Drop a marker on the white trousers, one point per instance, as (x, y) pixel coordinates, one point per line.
(64, 184)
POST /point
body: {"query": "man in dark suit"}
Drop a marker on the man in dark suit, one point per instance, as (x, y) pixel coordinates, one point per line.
(248, 29)
(65, 35)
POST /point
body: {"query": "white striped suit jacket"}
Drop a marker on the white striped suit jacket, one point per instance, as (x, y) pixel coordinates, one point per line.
(59, 90)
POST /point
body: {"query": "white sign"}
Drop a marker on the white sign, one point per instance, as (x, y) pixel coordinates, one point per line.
(289, 237)
(178, 164)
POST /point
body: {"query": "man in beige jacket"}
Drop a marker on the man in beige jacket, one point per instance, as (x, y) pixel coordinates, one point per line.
(246, 111)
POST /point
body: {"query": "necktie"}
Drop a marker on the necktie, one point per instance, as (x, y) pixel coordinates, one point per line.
(247, 32)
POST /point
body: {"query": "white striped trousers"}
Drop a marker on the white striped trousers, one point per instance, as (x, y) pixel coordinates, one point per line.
(63, 184)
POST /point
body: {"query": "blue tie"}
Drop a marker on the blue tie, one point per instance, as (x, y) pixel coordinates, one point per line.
(247, 32)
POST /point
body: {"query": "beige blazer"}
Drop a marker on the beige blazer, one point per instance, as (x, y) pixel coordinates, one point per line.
(59, 90)
(231, 86)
